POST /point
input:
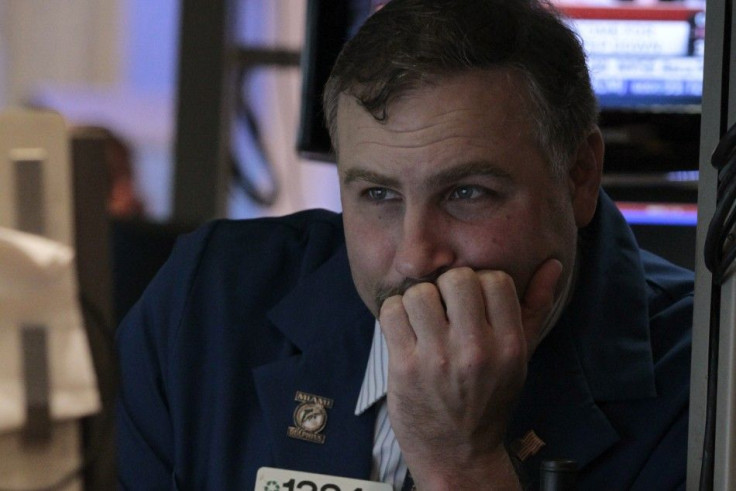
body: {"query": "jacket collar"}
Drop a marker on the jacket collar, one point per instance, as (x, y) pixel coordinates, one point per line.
(325, 318)
(609, 313)
(599, 351)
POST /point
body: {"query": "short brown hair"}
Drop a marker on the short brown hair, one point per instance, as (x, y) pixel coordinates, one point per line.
(410, 42)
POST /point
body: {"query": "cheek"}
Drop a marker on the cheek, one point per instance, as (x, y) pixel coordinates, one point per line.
(370, 255)
(516, 242)
(366, 238)
(504, 244)
(554, 233)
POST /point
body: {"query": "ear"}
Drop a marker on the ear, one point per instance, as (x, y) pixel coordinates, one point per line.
(585, 177)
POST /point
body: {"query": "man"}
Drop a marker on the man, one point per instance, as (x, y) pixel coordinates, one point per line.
(479, 307)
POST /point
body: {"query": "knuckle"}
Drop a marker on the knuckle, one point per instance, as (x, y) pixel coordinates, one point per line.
(457, 276)
(442, 363)
(391, 308)
(401, 369)
(476, 360)
(497, 279)
(419, 293)
(513, 349)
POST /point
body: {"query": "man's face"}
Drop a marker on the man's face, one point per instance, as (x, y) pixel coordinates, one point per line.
(452, 178)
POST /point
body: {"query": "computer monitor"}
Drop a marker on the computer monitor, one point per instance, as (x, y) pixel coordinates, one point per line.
(642, 54)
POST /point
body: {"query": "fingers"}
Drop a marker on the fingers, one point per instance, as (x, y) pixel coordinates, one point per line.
(467, 301)
(461, 291)
(415, 316)
(538, 300)
(423, 305)
(455, 302)
(501, 303)
(396, 327)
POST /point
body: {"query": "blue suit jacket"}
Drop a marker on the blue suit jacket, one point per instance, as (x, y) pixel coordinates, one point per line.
(246, 313)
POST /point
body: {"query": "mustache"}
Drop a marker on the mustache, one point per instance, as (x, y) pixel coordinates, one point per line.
(386, 291)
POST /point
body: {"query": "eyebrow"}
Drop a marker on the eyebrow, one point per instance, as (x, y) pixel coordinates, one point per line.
(360, 174)
(468, 169)
(456, 173)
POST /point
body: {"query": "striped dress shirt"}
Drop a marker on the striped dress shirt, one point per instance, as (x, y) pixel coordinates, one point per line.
(388, 464)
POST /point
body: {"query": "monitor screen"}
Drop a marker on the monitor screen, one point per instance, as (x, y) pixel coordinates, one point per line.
(329, 24)
(642, 54)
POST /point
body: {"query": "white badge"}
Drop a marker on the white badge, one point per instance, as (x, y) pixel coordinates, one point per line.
(271, 479)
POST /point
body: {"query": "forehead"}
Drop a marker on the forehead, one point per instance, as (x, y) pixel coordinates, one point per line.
(475, 111)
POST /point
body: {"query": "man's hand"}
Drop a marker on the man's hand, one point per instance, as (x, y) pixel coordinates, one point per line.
(458, 353)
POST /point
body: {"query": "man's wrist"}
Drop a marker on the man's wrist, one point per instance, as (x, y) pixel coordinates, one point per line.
(492, 471)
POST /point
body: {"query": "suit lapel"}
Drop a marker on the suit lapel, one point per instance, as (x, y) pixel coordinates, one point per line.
(558, 406)
(327, 321)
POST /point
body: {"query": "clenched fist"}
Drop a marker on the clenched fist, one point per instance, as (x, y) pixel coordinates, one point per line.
(458, 353)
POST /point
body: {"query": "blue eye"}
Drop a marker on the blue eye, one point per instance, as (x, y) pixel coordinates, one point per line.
(467, 192)
(376, 194)
(380, 194)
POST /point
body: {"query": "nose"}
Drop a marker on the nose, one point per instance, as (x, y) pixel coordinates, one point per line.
(424, 249)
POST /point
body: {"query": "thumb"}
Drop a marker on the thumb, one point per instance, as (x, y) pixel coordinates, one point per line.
(538, 300)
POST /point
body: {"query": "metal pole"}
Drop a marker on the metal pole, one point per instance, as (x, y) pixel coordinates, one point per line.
(719, 112)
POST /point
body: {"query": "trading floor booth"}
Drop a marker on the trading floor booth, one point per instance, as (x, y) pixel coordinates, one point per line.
(57, 375)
